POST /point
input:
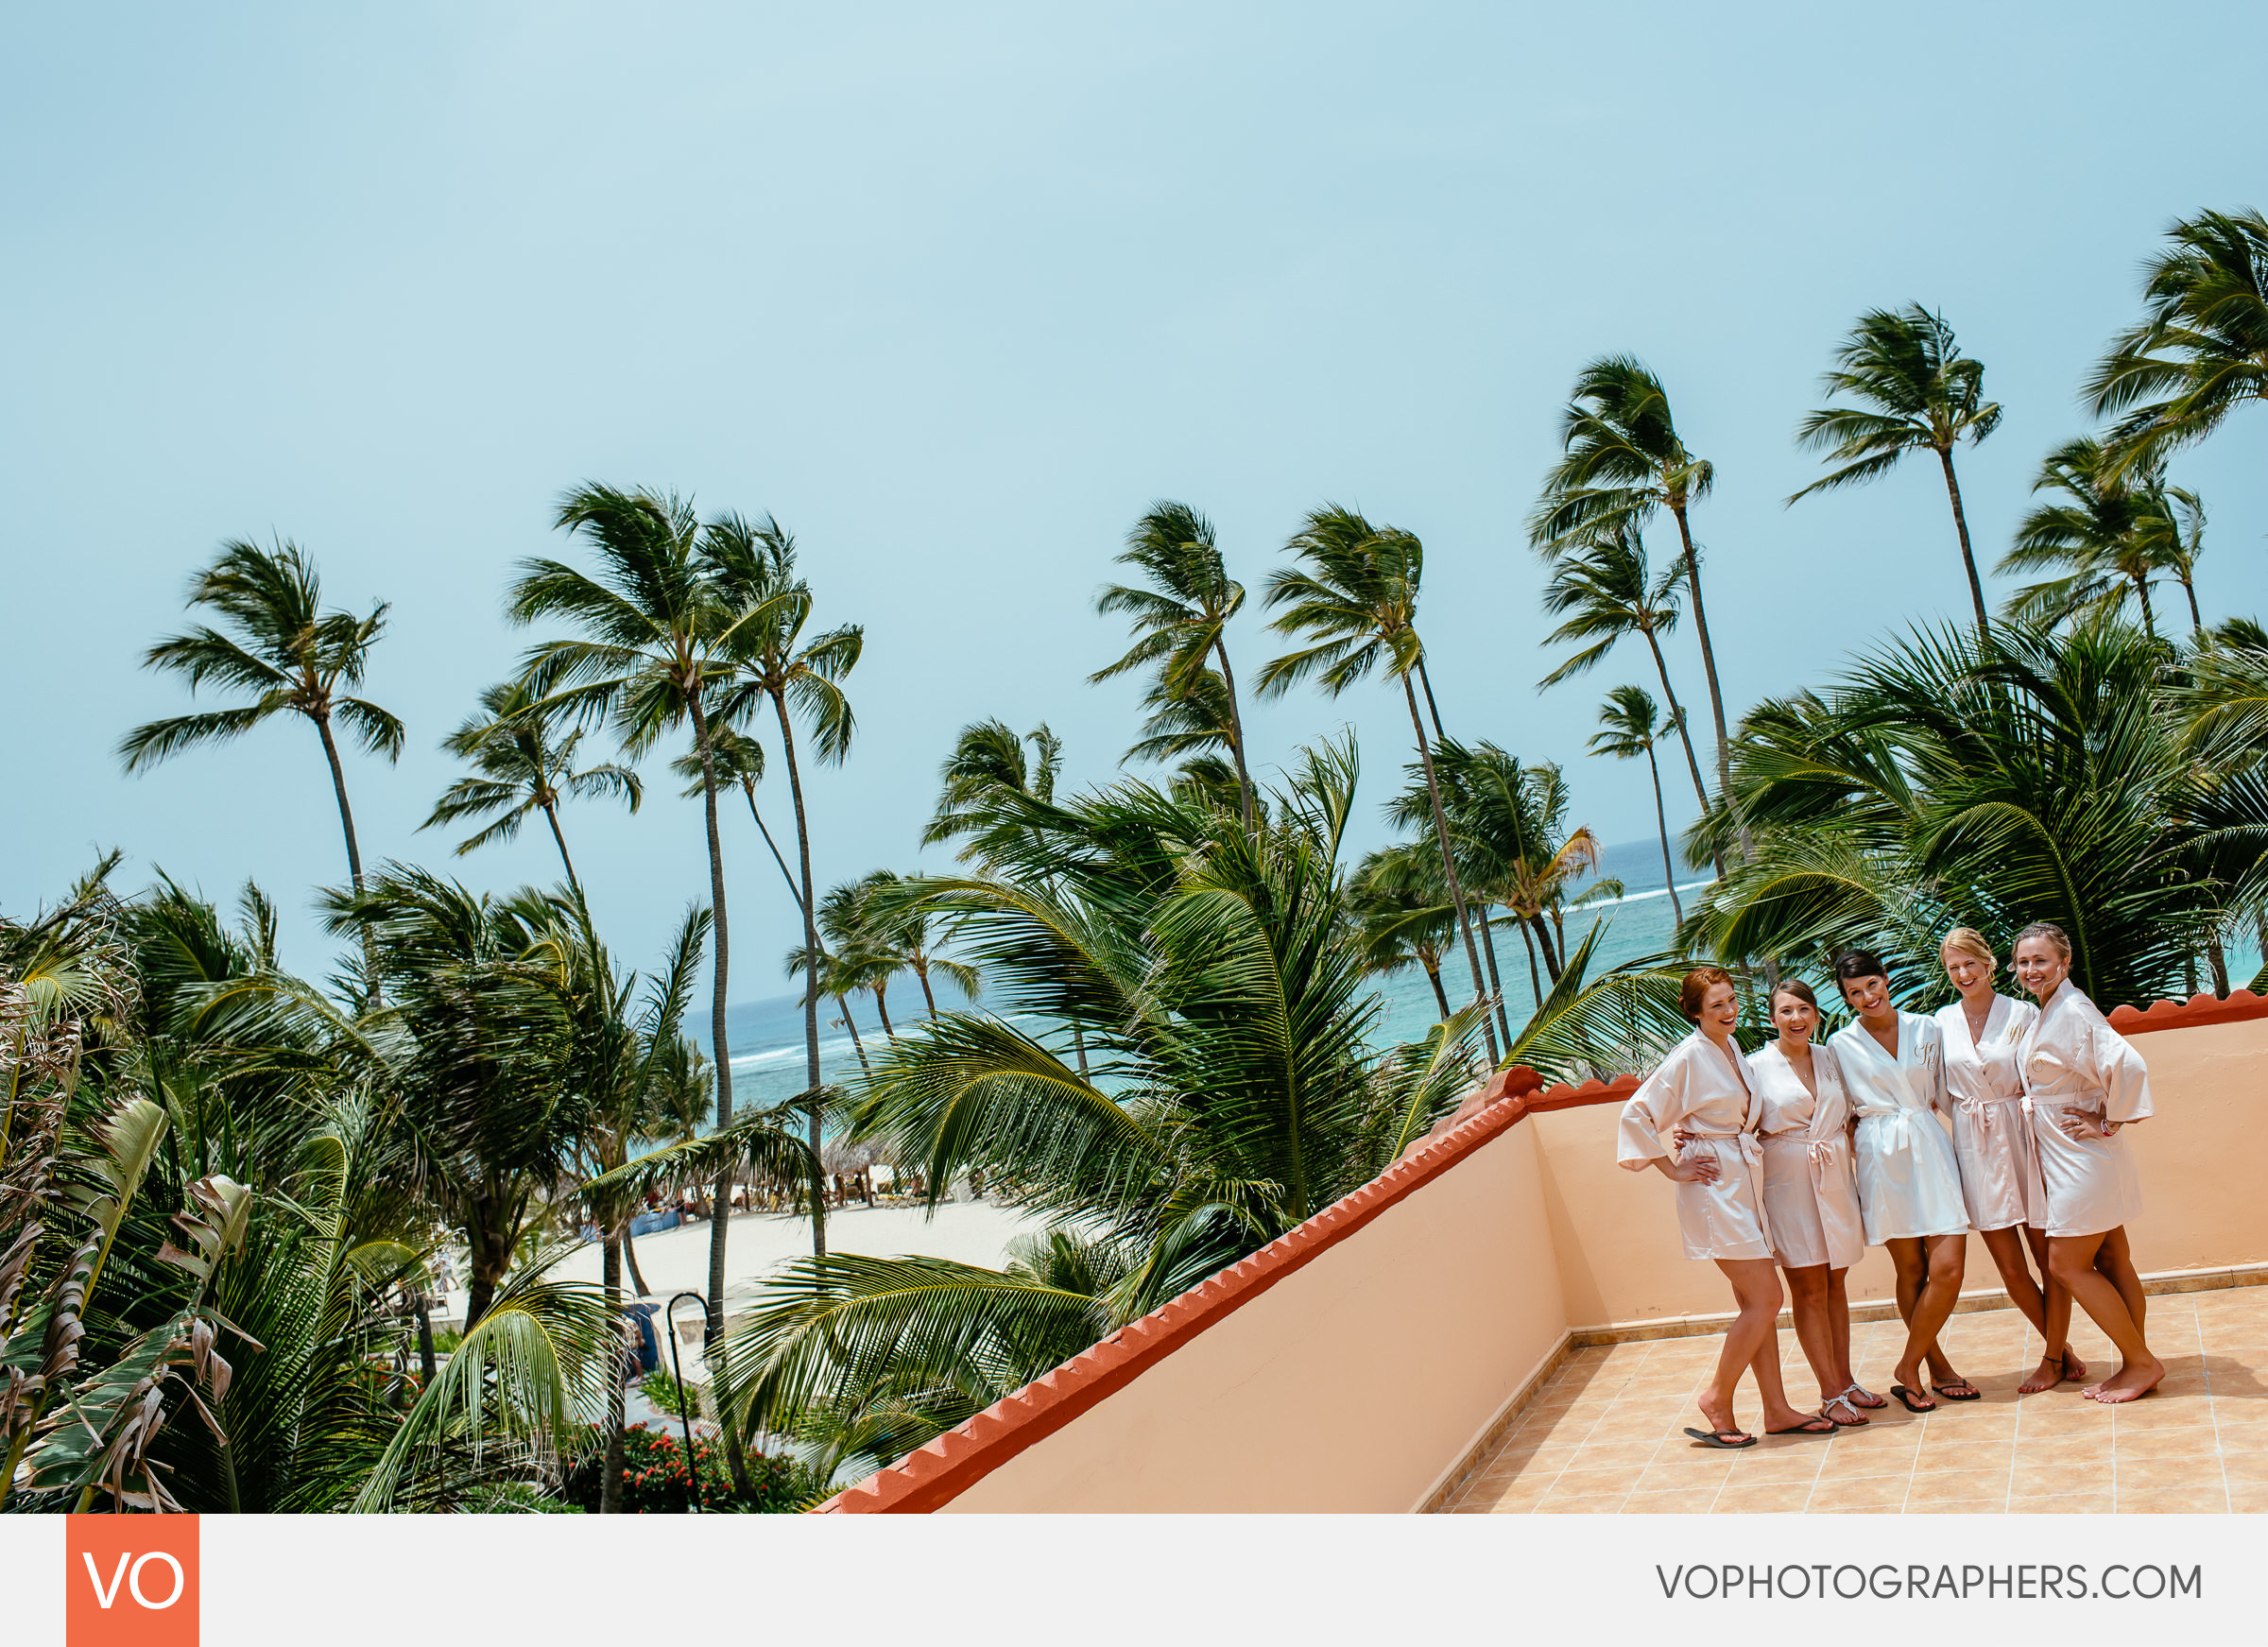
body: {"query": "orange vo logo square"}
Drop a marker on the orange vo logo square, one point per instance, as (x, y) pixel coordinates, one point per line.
(131, 1580)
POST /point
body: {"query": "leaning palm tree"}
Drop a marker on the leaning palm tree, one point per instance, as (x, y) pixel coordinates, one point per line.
(988, 759)
(2202, 350)
(1356, 602)
(654, 619)
(1180, 619)
(522, 769)
(905, 937)
(1399, 903)
(277, 646)
(1920, 393)
(1624, 459)
(1606, 592)
(754, 566)
(1633, 725)
(739, 759)
(2179, 524)
(2107, 533)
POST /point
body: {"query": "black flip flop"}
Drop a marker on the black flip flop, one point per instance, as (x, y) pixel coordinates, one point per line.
(1741, 1438)
(1808, 1427)
(1974, 1393)
(1905, 1398)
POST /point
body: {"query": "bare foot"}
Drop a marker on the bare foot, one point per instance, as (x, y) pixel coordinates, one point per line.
(1787, 1418)
(2074, 1368)
(1719, 1415)
(2046, 1376)
(2130, 1383)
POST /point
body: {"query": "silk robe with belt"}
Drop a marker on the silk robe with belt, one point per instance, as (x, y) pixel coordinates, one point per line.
(2073, 1060)
(1909, 1181)
(1810, 1191)
(1992, 1132)
(1712, 1095)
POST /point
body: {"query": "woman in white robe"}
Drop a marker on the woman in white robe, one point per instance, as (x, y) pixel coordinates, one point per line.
(1892, 1066)
(2083, 1083)
(1992, 1138)
(1812, 1194)
(1705, 1092)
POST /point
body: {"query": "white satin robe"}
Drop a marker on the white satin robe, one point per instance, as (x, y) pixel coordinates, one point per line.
(1695, 1087)
(2073, 1060)
(1992, 1129)
(1811, 1187)
(1909, 1179)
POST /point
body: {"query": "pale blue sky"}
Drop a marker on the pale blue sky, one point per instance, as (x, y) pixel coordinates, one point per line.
(956, 292)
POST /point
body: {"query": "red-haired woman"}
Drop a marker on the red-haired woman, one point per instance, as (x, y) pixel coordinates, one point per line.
(2083, 1083)
(1705, 1089)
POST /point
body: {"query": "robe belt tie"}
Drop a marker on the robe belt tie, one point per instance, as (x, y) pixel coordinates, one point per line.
(1979, 1110)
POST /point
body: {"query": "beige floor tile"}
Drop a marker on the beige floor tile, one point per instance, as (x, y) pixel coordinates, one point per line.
(2168, 1474)
(1937, 1457)
(2244, 1469)
(2250, 1499)
(1755, 1466)
(1884, 1493)
(1783, 1497)
(2037, 1481)
(2190, 1441)
(1958, 1485)
(2097, 1502)
(1959, 1507)
(2162, 1413)
(1601, 1506)
(1593, 1483)
(2189, 1500)
(1683, 1474)
(1683, 1501)
(1853, 1463)
(1596, 1454)
(1522, 1495)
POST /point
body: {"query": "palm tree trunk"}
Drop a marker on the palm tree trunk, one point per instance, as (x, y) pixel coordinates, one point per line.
(346, 823)
(1543, 940)
(786, 874)
(1968, 558)
(1669, 873)
(2197, 621)
(850, 1023)
(629, 1257)
(1535, 978)
(609, 1479)
(920, 965)
(424, 1314)
(882, 1007)
(1708, 669)
(1433, 975)
(1496, 981)
(811, 948)
(1685, 735)
(2141, 587)
(551, 816)
(721, 1221)
(1433, 709)
(1236, 744)
(2216, 958)
(1449, 866)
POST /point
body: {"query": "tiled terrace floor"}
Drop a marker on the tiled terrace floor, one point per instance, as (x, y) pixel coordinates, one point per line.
(1607, 1434)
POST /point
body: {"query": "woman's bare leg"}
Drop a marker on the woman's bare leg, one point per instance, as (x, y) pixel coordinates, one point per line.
(1807, 1297)
(1838, 1321)
(2115, 1259)
(1936, 1262)
(2074, 1259)
(2008, 1249)
(2055, 1307)
(1752, 1341)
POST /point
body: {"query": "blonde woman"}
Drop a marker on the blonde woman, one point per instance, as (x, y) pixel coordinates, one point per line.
(1983, 1032)
(2083, 1084)
(1705, 1094)
(1812, 1194)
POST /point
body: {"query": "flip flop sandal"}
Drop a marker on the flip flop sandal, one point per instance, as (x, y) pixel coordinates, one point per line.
(1905, 1398)
(1961, 1390)
(1858, 1396)
(1808, 1427)
(1727, 1439)
(1856, 1418)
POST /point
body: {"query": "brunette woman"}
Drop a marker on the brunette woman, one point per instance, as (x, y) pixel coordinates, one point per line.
(2083, 1084)
(1812, 1194)
(1705, 1089)
(1892, 1066)
(1992, 1138)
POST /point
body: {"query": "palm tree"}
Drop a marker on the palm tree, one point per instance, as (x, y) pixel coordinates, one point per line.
(988, 759)
(655, 619)
(899, 934)
(1180, 620)
(1920, 393)
(2179, 524)
(522, 770)
(754, 565)
(1623, 461)
(2107, 534)
(1606, 588)
(280, 649)
(739, 759)
(2202, 350)
(1399, 902)
(1632, 728)
(1357, 604)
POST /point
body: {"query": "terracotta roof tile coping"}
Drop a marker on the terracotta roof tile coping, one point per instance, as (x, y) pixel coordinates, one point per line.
(937, 1473)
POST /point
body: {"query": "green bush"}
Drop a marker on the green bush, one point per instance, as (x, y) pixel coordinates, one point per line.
(668, 1396)
(654, 1479)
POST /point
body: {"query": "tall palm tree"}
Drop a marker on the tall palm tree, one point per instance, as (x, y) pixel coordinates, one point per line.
(1633, 727)
(1356, 602)
(1606, 592)
(754, 565)
(1622, 460)
(654, 619)
(1180, 620)
(276, 645)
(900, 934)
(1920, 393)
(1399, 902)
(522, 770)
(2178, 524)
(2107, 531)
(2202, 349)
(987, 760)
